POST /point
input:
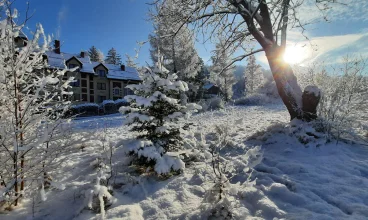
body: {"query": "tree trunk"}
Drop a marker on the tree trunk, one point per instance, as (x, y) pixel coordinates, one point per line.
(299, 105)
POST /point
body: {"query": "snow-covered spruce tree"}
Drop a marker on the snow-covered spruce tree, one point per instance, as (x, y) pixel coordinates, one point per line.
(31, 103)
(253, 75)
(95, 55)
(177, 47)
(113, 57)
(156, 113)
(221, 73)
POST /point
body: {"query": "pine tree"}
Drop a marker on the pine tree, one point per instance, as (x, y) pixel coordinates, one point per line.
(95, 55)
(221, 73)
(253, 75)
(113, 57)
(177, 48)
(156, 113)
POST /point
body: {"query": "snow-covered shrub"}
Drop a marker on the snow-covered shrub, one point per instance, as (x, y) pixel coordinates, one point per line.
(255, 99)
(217, 202)
(29, 93)
(109, 107)
(87, 109)
(121, 102)
(343, 105)
(269, 89)
(99, 197)
(157, 114)
(213, 103)
(83, 109)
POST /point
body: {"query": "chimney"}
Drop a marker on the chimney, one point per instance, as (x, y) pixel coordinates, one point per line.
(122, 67)
(57, 46)
(82, 54)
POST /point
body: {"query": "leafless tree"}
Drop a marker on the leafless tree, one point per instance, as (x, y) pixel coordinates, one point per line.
(265, 22)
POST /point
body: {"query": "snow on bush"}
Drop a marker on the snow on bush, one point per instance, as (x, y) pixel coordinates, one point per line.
(223, 195)
(156, 112)
(255, 99)
(211, 104)
(344, 90)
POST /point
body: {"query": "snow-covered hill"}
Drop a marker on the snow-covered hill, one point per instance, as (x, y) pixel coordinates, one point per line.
(291, 182)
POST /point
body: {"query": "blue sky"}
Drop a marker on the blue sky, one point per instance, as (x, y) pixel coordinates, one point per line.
(82, 23)
(121, 23)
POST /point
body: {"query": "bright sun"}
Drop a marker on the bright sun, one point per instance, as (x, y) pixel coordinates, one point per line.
(295, 54)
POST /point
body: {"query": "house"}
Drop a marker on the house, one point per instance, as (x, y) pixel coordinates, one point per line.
(211, 90)
(94, 81)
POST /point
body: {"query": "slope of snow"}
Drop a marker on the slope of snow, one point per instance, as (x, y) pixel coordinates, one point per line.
(292, 181)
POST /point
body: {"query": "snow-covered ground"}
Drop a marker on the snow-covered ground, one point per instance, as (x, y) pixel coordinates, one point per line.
(292, 181)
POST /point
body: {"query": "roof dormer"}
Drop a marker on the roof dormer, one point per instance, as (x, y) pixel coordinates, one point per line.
(101, 70)
(73, 62)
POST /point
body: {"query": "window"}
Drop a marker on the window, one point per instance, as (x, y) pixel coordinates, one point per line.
(75, 97)
(84, 90)
(128, 91)
(84, 97)
(92, 91)
(116, 91)
(92, 98)
(101, 98)
(101, 73)
(90, 78)
(84, 83)
(101, 86)
(76, 83)
(90, 85)
(72, 65)
(116, 84)
(83, 75)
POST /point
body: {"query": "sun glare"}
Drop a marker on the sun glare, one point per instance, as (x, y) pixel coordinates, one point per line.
(295, 54)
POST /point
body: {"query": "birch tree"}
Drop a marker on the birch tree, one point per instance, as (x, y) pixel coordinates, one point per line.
(31, 103)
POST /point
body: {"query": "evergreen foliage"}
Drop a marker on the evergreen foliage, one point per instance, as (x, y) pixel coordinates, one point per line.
(222, 74)
(95, 55)
(113, 57)
(157, 114)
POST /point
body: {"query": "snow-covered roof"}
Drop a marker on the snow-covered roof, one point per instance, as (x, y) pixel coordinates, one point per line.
(114, 71)
(208, 85)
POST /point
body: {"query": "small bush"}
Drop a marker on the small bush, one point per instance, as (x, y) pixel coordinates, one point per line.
(109, 107)
(255, 99)
(88, 109)
(121, 102)
(72, 111)
(213, 103)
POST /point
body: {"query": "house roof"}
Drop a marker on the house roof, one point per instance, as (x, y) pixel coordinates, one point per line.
(114, 71)
(208, 86)
(75, 58)
(100, 64)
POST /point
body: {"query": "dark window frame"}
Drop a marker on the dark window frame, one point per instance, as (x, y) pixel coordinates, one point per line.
(101, 86)
(102, 73)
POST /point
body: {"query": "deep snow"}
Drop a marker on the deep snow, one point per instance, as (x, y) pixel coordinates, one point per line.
(292, 181)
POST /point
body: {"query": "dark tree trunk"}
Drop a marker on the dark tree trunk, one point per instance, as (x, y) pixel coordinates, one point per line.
(299, 105)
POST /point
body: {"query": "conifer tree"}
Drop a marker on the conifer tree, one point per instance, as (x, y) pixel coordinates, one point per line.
(95, 55)
(157, 114)
(221, 73)
(253, 75)
(113, 57)
(177, 47)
